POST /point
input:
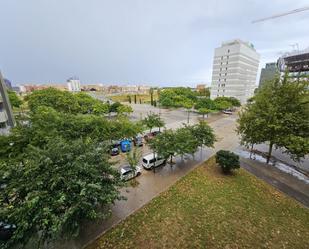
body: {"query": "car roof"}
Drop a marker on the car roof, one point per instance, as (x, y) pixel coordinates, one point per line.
(150, 156)
(125, 169)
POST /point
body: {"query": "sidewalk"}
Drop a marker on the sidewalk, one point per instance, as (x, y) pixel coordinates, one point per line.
(282, 181)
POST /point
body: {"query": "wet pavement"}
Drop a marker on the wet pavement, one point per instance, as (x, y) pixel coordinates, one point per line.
(286, 183)
(151, 184)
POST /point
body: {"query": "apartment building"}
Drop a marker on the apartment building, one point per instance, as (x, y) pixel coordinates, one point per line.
(268, 73)
(296, 64)
(235, 69)
(73, 84)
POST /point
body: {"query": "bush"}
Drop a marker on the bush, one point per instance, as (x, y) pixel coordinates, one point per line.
(227, 160)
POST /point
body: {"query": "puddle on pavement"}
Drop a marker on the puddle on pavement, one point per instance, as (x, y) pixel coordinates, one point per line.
(279, 165)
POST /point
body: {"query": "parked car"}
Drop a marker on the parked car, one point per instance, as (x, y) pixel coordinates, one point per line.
(152, 160)
(114, 151)
(151, 135)
(6, 230)
(127, 172)
(138, 140)
(125, 145)
(228, 111)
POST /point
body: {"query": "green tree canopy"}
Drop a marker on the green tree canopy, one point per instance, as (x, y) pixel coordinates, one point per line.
(176, 97)
(153, 120)
(279, 115)
(52, 189)
(203, 133)
(63, 101)
(14, 99)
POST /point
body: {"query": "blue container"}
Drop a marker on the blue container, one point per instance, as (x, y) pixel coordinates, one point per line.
(125, 145)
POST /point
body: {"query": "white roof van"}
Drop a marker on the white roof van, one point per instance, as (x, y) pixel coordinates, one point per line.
(152, 160)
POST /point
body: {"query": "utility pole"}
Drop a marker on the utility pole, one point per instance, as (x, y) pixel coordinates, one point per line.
(6, 102)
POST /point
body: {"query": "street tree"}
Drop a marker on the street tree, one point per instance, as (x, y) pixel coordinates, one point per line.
(153, 120)
(203, 112)
(188, 104)
(164, 144)
(51, 190)
(203, 133)
(133, 158)
(278, 115)
(185, 142)
(14, 99)
(124, 110)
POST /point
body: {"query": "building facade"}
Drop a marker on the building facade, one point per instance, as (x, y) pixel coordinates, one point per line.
(234, 71)
(296, 64)
(268, 73)
(73, 84)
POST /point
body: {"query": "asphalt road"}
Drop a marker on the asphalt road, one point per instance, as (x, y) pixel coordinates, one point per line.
(151, 184)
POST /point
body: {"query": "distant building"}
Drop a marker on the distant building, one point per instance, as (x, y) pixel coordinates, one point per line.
(235, 69)
(6, 114)
(200, 87)
(74, 84)
(295, 63)
(268, 73)
(8, 84)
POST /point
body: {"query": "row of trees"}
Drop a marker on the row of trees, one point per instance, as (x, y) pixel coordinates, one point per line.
(78, 103)
(54, 167)
(278, 115)
(184, 140)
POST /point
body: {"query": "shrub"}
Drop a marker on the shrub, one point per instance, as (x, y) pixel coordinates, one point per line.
(227, 160)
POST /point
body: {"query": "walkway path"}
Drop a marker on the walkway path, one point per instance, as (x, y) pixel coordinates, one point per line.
(284, 182)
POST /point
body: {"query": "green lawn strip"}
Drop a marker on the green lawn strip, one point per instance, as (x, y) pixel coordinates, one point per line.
(206, 209)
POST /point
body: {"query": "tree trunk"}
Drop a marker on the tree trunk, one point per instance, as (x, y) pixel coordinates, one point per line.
(171, 161)
(269, 152)
(203, 116)
(251, 151)
(188, 117)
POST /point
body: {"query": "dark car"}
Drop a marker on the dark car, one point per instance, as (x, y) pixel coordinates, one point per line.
(138, 141)
(6, 230)
(114, 151)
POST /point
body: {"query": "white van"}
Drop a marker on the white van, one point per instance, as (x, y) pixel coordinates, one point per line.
(152, 160)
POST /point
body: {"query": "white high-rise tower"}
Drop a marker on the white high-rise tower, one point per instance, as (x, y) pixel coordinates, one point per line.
(234, 71)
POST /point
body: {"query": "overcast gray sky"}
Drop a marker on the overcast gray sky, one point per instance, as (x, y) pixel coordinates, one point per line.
(158, 42)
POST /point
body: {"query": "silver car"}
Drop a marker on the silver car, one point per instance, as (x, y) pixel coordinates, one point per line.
(127, 172)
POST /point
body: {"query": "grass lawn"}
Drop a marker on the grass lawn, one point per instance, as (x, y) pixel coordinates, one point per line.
(206, 209)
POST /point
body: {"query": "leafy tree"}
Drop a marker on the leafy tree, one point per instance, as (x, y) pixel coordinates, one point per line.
(133, 158)
(89, 105)
(204, 111)
(205, 103)
(14, 99)
(153, 120)
(52, 189)
(185, 142)
(124, 110)
(113, 107)
(278, 115)
(61, 101)
(164, 144)
(227, 160)
(151, 95)
(176, 97)
(188, 104)
(232, 100)
(222, 104)
(203, 133)
(129, 99)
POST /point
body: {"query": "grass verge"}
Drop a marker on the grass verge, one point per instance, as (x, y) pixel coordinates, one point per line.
(206, 209)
